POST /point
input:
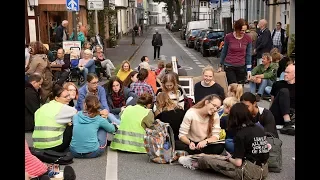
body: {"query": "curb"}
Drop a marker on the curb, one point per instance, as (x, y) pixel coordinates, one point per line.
(134, 53)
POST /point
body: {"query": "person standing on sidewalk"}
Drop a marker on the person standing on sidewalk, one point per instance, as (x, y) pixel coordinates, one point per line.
(62, 33)
(264, 41)
(156, 43)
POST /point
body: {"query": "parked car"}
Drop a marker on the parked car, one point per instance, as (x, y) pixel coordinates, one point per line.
(211, 41)
(183, 32)
(190, 37)
(199, 38)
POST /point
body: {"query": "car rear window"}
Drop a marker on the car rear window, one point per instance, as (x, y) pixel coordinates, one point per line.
(215, 35)
(194, 32)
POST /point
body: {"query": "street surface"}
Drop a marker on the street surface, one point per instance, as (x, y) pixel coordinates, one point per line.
(126, 166)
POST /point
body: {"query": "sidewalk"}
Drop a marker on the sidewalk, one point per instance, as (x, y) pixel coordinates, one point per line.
(124, 50)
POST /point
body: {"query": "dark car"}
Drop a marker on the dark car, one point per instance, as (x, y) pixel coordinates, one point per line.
(190, 37)
(211, 41)
(183, 32)
(199, 38)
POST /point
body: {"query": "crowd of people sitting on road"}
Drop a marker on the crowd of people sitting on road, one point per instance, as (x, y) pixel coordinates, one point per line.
(64, 117)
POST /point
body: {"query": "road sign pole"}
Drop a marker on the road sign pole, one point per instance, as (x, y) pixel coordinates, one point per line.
(96, 27)
(74, 24)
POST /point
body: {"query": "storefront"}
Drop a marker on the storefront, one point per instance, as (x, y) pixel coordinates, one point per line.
(49, 14)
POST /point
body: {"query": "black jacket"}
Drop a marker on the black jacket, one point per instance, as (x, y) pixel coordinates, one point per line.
(59, 34)
(264, 43)
(282, 38)
(32, 104)
(157, 40)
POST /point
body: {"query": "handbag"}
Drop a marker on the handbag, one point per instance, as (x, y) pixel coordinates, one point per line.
(275, 153)
(50, 156)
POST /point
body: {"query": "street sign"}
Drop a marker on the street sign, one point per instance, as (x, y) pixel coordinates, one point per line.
(95, 5)
(73, 5)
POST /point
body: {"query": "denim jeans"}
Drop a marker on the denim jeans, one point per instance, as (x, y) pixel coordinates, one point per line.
(102, 139)
(264, 83)
(113, 119)
(267, 90)
(229, 145)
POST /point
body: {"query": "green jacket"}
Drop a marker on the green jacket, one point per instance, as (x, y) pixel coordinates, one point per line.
(269, 73)
(81, 37)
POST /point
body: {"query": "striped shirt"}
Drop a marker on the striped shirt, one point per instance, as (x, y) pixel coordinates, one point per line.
(33, 166)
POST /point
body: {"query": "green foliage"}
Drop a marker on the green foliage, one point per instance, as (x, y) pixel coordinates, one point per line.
(105, 15)
(292, 43)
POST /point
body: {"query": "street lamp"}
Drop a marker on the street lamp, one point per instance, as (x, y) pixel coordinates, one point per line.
(32, 4)
(133, 2)
(232, 10)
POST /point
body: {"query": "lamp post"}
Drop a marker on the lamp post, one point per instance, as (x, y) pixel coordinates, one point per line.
(133, 21)
(32, 4)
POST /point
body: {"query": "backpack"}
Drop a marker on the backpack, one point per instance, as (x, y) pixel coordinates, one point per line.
(159, 143)
(50, 156)
(188, 103)
(275, 153)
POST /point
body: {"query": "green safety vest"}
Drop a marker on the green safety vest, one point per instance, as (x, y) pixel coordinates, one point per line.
(47, 132)
(130, 135)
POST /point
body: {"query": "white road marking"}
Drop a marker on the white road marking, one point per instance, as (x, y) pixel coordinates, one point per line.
(185, 50)
(112, 165)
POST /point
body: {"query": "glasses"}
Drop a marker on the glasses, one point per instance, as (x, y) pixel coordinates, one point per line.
(94, 83)
(214, 105)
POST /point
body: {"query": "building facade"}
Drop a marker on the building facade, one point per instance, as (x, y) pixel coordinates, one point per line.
(162, 15)
(46, 15)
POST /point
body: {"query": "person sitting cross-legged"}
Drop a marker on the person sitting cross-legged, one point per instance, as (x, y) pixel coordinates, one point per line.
(251, 150)
(262, 115)
(87, 65)
(134, 120)
(32, 100)
(264, 75)
(89, 137)
(283, 101)
(201, 127)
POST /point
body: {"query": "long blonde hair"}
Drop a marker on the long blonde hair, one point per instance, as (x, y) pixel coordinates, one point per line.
(163, 100)
(235, 90)
(170, 77)
(201, 104)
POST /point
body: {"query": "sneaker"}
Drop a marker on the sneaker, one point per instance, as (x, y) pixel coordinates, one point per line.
(288, 128)
(68, 173)
(186, 161)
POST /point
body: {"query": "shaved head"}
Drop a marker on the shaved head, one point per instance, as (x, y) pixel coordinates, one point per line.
(262, 23)
(64, 23)
(290, 73)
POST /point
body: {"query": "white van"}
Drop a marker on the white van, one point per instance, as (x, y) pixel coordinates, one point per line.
(196, 25)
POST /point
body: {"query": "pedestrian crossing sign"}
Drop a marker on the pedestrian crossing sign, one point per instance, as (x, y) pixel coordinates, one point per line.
(72, 5)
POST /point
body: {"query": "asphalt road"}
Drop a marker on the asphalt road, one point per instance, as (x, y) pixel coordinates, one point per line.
(126, 166)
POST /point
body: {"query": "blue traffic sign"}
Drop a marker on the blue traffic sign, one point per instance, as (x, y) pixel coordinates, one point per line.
(73, 5)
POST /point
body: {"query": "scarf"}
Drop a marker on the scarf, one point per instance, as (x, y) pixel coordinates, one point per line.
(118, 100)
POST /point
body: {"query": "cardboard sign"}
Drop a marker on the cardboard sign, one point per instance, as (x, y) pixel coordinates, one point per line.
(72, 47)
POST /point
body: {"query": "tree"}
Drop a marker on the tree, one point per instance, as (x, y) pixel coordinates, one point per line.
(173, 7)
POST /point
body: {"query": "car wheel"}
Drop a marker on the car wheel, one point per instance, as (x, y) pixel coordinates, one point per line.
(204, 53)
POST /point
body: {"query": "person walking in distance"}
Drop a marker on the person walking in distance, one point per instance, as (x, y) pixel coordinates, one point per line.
(156, 43)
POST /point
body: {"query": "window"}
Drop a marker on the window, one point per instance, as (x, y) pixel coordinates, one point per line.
(203, 4)
(164, 9)
(163, 18)
(215, 35)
